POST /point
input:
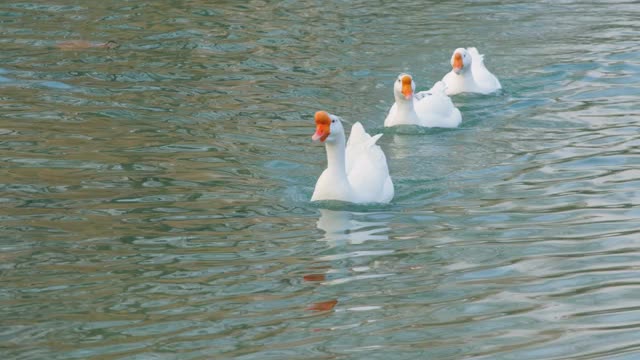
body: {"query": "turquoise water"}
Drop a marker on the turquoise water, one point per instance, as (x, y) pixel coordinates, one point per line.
(154, 195)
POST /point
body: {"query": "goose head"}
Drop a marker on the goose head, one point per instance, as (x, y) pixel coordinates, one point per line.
(460, 60)
(328, 127)
(404, 87)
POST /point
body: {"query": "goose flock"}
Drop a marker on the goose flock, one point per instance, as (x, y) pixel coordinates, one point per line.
(357, 170)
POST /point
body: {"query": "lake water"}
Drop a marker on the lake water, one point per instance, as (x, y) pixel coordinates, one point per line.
(154, 197)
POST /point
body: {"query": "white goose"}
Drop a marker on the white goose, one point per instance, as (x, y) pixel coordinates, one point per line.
(431, 108)
(357, 173)
(469, 74)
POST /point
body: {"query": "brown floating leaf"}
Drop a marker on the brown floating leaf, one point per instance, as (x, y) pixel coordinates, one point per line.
(314, 277)
(83, 44)
(323, 306)
(74, 44)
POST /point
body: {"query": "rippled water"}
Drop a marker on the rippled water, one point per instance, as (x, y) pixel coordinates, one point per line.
(154, 195)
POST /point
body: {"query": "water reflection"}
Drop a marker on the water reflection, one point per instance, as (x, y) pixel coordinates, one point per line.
(341, 228)
(349, 258)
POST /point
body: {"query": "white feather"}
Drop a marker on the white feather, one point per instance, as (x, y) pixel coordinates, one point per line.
(474, 76)
(432, 108)
(365, 178)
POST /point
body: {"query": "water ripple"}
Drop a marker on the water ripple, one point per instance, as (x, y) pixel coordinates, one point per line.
(155, 194)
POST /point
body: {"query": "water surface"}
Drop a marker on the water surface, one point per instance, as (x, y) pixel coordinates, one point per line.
(154, 196)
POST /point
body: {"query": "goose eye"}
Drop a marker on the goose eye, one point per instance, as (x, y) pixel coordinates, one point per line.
(333, 121)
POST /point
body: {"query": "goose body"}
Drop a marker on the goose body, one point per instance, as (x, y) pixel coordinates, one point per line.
(357, 170)
(432, 108)
(469, 74)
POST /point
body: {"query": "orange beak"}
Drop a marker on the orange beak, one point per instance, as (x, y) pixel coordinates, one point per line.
(407, 91)
(457, 63)
(323, 126)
